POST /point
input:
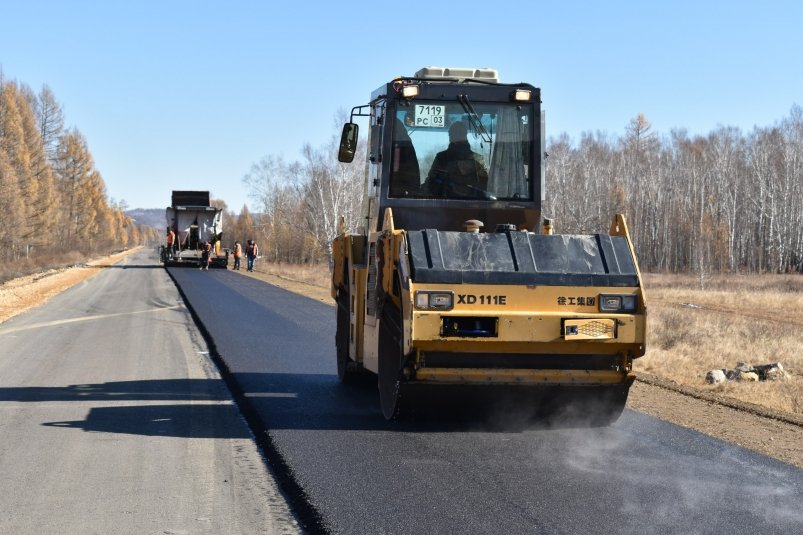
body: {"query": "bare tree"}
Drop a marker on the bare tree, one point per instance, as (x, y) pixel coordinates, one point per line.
(302, 203)
(49, 114)
(11, 210)
(74, 165)
(332, 192)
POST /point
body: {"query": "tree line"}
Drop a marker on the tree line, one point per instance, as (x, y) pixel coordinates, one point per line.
(53, 200)
(722, 202)
(300, 203)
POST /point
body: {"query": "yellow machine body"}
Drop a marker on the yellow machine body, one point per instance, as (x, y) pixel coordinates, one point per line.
(529, 321)
(448, 284)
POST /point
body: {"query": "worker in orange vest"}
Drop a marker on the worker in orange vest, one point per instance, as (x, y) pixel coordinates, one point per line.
(171, 240)
(238, 253)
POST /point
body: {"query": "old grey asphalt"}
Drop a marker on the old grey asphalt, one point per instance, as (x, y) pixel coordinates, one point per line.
(115, 421)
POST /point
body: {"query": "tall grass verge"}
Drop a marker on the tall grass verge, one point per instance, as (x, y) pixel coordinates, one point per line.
(732, 318)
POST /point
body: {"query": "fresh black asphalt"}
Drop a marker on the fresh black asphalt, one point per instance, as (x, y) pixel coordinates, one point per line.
(349, 471)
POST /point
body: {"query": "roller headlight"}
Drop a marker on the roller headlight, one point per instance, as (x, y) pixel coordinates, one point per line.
(434, 300)
(409, 91)
(617, 303)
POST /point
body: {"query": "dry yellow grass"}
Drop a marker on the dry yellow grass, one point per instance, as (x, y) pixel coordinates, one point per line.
(314, 274)
(694, 328)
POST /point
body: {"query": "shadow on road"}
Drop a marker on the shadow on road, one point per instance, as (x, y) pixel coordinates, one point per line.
(183, 421)
(285, 401)
(155, 389)
(320, 402)
(203, 408)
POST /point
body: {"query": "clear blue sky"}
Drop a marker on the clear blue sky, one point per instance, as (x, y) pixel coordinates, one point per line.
(188, 95)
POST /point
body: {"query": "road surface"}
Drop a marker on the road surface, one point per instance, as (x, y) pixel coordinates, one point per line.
(348, 471)
(114, 419)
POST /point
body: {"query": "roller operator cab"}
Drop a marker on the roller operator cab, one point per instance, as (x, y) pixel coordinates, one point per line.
(453, 279)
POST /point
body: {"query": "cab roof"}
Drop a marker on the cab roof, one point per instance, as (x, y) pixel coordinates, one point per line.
(458, 73)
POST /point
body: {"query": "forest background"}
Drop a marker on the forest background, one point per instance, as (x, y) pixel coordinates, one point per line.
(722, 203)
(54, 210)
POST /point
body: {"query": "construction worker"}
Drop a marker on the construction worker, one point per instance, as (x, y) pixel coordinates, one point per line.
(238, 253)
(206, 255)
(171, 240)
(251, 252)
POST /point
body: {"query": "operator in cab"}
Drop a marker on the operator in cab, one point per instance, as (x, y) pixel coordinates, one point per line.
(458, 171)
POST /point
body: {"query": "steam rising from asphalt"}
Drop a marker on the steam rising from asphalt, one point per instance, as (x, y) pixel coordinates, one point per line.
(682, 476)
(685, 481)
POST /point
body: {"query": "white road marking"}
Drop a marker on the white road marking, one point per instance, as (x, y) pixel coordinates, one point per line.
(85, 318)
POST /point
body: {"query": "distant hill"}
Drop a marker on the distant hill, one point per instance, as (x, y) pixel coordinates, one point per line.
(153, 217)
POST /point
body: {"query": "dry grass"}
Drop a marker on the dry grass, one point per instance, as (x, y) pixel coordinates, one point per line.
(694, 328)
(314, 274)
(42, 262)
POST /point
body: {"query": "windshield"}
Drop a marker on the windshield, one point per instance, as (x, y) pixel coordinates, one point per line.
(462, 150)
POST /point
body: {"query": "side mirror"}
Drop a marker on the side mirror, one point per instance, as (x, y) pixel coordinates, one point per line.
(348, 143)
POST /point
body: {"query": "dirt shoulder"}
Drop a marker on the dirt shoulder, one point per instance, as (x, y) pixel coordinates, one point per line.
(772, 437)
(778, 435)
(24, 293)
